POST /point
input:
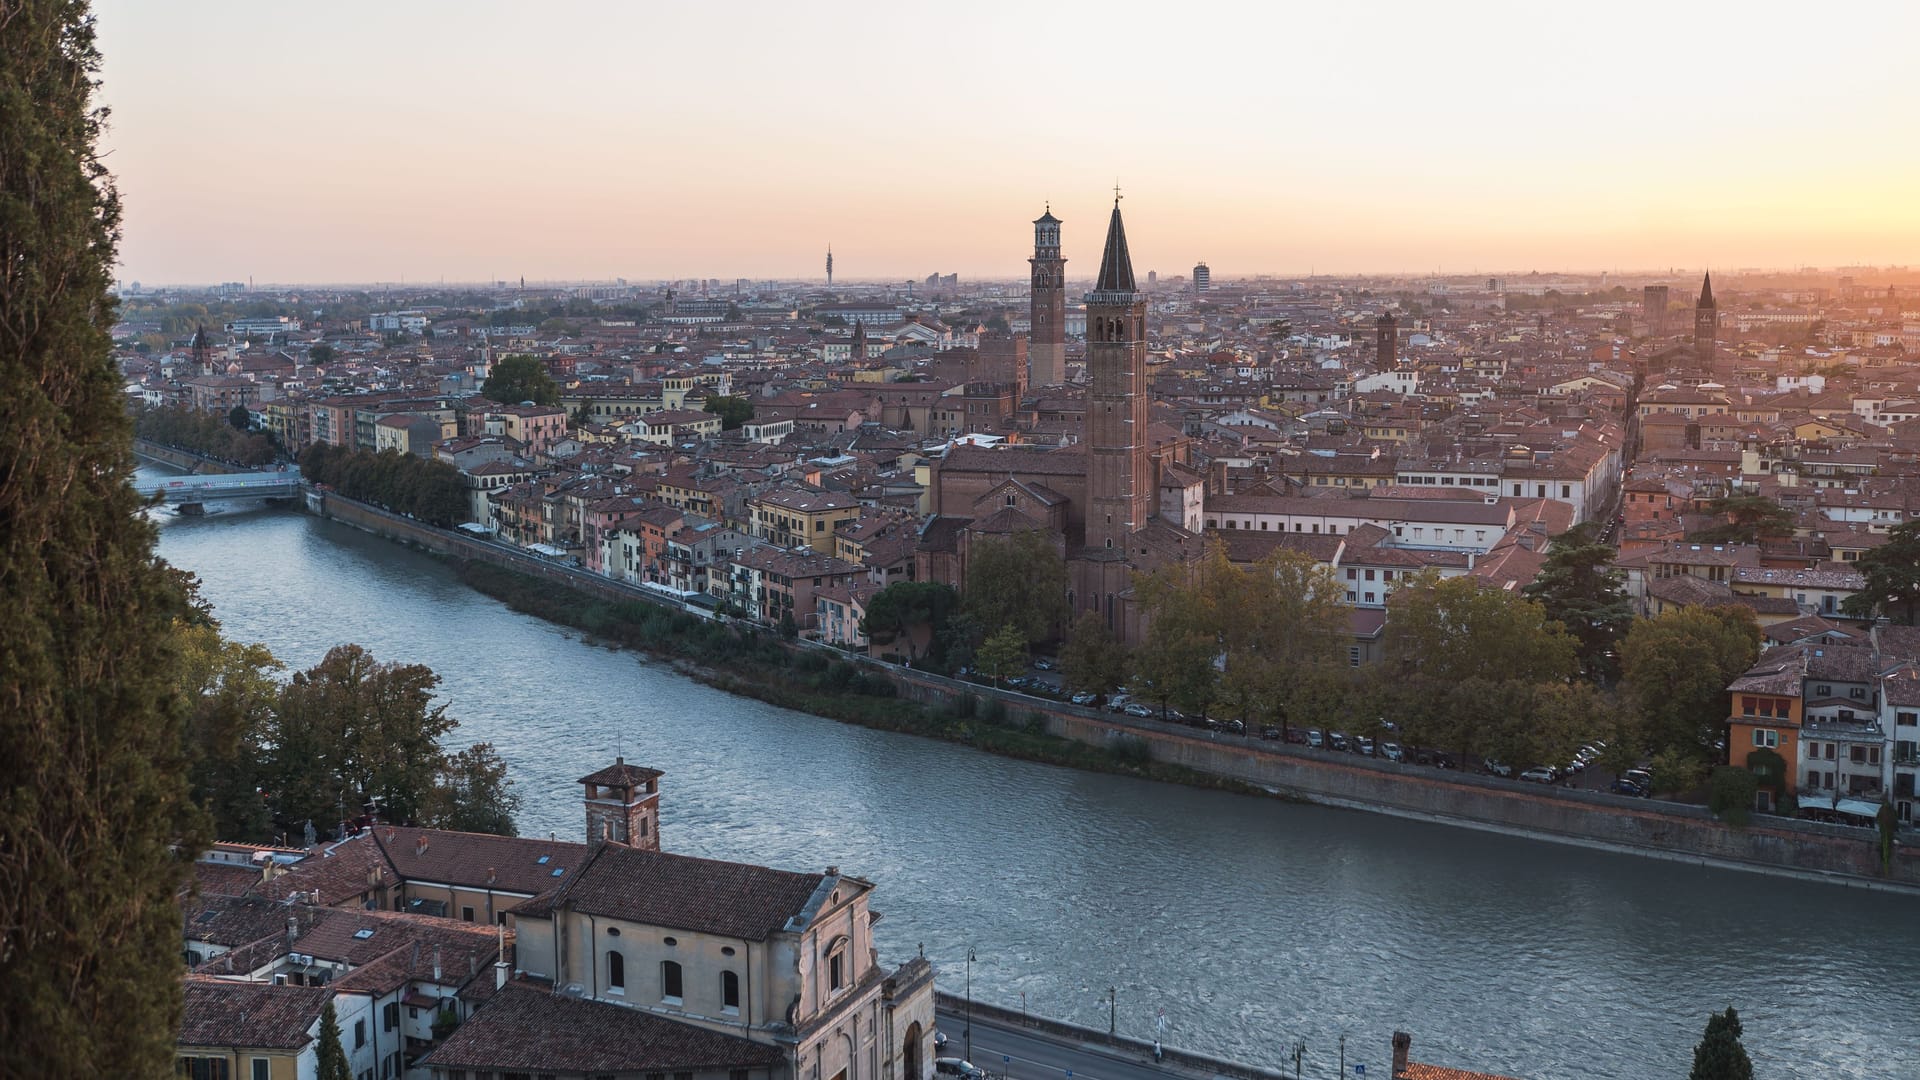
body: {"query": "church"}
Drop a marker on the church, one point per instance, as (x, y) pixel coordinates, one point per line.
(1124, 499)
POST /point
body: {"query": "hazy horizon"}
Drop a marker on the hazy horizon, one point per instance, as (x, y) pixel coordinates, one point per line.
(482, 142)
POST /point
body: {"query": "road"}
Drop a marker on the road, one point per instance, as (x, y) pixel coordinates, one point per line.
(1027, 1055)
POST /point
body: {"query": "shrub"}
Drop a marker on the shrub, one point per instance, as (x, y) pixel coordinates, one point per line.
(1731, 798)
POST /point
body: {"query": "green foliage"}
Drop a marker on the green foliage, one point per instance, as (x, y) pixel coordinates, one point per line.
(320, 354)
(231, 690)
(788, 628)
(520, 378)
(1003, 654)
(1677, 668)
(206, 434)
(909, 611)
(1018, 580)
(351, 730)
(429, 490)
(1581, 592)
(473, 794)
(1676, 770)
(1092, 659)
(1893, 579)
(1769, 771)
(732, 410)
(97, 827)
(1731, 793)
(1719, 1055)
(333, 1056)
(1749, 517)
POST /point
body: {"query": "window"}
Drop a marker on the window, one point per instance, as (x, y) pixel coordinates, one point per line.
(616, 973)
(390, 1016)
(359, 1034)
(1353, 656)
(1813, 778)
(736, 1074)
(196, 1068)
(1766, 737)
(1746, 706)
(729, 990)
(1829, 751)
(670, 981)
(262, 1069)
(466, 914)
(1859, 755)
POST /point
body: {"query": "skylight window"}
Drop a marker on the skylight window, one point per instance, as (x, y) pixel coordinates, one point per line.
(542, 860)
(558, 870)
(363, 933)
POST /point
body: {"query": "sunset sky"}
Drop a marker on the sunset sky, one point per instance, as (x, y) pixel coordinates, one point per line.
(359, 142)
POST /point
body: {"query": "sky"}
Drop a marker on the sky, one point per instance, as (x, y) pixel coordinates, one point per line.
(386, 142)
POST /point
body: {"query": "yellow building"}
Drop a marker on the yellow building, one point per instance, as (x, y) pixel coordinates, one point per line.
(792, 517)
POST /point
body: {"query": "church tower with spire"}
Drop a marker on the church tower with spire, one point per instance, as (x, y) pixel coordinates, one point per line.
(1119, 476)
(1047, 336)
(1706, 325)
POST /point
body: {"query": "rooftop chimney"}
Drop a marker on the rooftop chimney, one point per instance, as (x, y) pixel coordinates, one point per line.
(1402, 1042)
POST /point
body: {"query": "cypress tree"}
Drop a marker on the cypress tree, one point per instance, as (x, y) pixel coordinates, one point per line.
(96, 826)
(333, 1056)
(1718, 1055)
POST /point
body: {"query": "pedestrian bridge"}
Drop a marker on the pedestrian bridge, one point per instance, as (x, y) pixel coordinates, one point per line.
(199, 490)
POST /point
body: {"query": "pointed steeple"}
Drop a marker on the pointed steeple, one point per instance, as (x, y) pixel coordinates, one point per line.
(1116, 266)
(1706, 291)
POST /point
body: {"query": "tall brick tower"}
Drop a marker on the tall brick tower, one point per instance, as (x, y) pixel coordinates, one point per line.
(1119, 477)
(1706, 325)
(1386, 341)
(623, 805)
(1047, 336)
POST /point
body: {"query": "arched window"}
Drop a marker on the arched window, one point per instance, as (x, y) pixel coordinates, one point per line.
(670, 981)
(616, 971)
(730, 990)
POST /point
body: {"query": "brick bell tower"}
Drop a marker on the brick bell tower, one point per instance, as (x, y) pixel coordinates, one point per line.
(1119, 478)
(623, 805)
(1047, 313)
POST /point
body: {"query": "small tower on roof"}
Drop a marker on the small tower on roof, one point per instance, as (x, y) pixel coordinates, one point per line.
(202, 352)
(623, 805)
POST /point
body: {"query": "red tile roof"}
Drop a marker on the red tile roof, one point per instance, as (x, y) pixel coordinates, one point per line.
(537, 1031)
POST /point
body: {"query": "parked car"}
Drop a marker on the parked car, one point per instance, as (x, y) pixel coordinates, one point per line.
(1270, 733)
(956, 1067)
(1364, 745)
(1234, 726)
(1337, 740)
(939, 1043)
(1297, 736)
(1043, 664)
(1539, 774)
(1499, 768)
(1134, 708)
(1624, 786)
(1315, 739)
(1084, 698)
(1392, 752)
(1639, 776)
(1117, 702)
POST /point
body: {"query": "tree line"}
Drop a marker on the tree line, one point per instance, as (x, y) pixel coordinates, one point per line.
(423, 488)
(268, 756)
(206, 434)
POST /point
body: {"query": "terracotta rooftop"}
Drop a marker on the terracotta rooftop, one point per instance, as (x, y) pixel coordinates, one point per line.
(536, 1031)
(251, 1015)
(655, 888)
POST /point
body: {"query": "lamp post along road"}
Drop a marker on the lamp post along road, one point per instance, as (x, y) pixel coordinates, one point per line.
(967, 1033)
(1113, 1011)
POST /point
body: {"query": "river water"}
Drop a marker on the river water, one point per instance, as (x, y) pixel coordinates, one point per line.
(1246, 923)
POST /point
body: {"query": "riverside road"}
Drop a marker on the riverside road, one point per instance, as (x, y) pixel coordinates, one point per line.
(1251, 923)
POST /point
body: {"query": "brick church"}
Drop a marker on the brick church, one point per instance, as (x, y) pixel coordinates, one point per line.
(1121, 500)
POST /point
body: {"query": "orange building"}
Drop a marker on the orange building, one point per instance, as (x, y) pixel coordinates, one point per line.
(1765, 714)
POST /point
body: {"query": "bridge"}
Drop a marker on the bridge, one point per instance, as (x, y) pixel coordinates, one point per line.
(199, 490)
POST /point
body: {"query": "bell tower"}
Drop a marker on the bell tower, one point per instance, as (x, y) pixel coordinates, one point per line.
(1119, 482)
(1047, 316)
(623, 805)
(1706, 325)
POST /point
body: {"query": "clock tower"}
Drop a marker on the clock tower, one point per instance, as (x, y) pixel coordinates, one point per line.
(1047, 336)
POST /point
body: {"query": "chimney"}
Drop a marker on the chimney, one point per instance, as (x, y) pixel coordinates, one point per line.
(436, 963)
(293, 930)
(499, 974)
(420, 844)
(1402, 1042)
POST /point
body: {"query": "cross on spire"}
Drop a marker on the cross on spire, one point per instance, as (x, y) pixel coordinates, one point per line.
(1116, 193)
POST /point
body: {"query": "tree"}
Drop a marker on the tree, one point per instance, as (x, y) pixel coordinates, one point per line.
(1718, 1055)
(1092, 659)
(239, 418)
(1749, 517)
(351, 731)
(1893, 578)
(1002, 654)
(474, 794)
(333, 1056)
(910, 611)
(1731, 793)
(230, 690)
(1677, 667)
(320, 354)
(732, 410)
(519, 378)
(1581, 592)
(97, 828)
(1019, 579)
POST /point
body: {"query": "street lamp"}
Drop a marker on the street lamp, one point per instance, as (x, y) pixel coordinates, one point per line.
(967, 1033)
(1113, 1010)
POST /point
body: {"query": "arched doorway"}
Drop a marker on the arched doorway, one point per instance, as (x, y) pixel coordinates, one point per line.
(910, 1054)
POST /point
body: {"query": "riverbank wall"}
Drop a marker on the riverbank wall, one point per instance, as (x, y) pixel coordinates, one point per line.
(1651, 827)
(1123, 1046)
(181, 459)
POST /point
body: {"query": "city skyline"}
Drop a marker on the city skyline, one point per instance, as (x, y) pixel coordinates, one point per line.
(257, 143)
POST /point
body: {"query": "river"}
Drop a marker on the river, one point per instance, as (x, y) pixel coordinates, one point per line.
(1250, 922)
